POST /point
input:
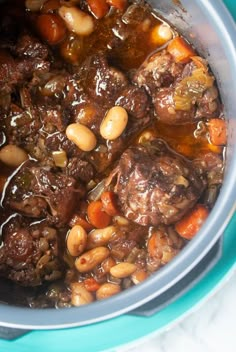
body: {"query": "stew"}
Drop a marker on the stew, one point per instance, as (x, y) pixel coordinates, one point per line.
(111, 148)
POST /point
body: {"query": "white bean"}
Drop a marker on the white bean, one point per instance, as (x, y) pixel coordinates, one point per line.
(76, 20)
(107, 290)
(123, 270)
(88, 260)
(82, 136)
(165, 32)
(12, 155)
(100, 237)
(114, 123)
(76, 240)
(80, 295)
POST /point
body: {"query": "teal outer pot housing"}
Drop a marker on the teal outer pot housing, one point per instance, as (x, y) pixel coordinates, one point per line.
(209, 26)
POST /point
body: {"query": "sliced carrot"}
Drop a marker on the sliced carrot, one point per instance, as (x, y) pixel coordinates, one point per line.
(97, 216)
(91, 284)
(51, 28)
(155, 243)
(110, 203)
(78, 220)
(185, 149)
(180, 50)
(217, 131)
(217, 149)
(118, 4)
(152, 245)
(99, 8)
(191, 223)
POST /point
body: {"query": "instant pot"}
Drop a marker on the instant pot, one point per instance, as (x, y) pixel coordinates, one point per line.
(209, 26)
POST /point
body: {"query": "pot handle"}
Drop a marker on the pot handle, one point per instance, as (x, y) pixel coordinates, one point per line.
(10, 333)
(182, 286)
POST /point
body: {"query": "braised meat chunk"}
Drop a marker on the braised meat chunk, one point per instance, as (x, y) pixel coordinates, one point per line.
(101, 80)
(91, 91)
(97, 86)
(16, 71)
(158, 71)
(156, 186)
(29, 253)
(181, 92)
(80, 169)
(29, 46)
(60, 191)
(39, 192)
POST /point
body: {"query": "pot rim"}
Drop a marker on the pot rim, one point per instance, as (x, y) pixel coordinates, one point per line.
(166, 277)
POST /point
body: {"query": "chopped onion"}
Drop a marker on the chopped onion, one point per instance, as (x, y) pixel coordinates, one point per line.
(191, 88)
(120, 220)
(54, 86)
(96, 192)
(182, 181)
(211, 195)
(145, 137)
(60, 158)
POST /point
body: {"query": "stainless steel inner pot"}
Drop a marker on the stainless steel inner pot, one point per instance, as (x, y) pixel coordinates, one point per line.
(208, 25)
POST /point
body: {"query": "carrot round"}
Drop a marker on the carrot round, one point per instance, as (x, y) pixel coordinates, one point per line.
(217, 131)
(152, 244)
(118, 4)
(78, 220)
(91, 284)
(99, 8)
(180, 50)
(109, 203)
(97, 216)
(191, 223)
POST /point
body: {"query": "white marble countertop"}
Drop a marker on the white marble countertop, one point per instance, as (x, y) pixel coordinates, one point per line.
(210, 327)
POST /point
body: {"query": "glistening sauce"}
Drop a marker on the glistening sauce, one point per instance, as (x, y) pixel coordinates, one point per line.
(52, 78)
